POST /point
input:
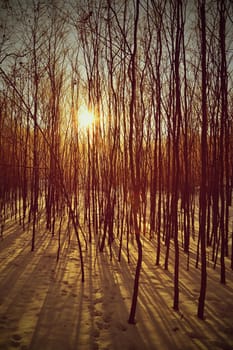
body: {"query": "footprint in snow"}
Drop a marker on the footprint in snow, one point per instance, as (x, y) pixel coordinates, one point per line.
(96, 333)
(17, 337)
(98, 301)
(15, 340)
(107, 318)
(175, 329)
(97, 313)
(122, 327)
(99, 325)
(106, 326)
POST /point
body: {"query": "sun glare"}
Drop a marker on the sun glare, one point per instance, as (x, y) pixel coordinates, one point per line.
(85, 118)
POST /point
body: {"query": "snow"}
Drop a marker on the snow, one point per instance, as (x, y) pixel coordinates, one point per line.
(45, 306)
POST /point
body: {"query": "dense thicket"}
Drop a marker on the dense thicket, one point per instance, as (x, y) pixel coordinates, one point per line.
(158, 77)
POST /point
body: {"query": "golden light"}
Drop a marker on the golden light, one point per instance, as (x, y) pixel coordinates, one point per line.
(85, 118)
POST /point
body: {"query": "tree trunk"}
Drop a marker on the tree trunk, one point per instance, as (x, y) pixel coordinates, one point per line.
(202, 228)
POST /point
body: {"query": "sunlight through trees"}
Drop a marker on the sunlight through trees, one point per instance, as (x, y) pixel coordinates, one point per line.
(116, 126)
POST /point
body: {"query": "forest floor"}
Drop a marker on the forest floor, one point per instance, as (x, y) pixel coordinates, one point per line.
(45, 306)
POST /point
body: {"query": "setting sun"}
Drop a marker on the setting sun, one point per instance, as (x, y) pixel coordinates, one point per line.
(116, 174)
(85, 118)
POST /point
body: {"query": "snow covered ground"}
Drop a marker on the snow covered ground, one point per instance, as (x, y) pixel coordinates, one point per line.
(45, 306)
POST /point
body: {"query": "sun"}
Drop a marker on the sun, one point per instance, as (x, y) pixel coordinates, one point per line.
(85, 118)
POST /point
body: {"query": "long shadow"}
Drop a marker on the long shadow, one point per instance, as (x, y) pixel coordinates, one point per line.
(44, 304)
(111, 306)
(62, 306)
(202, 334)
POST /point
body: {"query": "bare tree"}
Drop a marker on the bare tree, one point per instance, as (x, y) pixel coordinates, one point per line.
(202, 229)
(133, 164)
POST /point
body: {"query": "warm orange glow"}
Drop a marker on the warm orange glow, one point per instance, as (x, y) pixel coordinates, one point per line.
(85, 118)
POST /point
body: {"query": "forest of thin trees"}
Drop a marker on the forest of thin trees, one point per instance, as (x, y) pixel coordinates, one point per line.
(157, 162)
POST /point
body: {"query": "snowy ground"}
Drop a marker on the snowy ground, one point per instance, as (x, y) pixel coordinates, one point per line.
(45, 306)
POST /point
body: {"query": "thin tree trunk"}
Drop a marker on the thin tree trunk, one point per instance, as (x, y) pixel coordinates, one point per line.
(134, 179)
(202, 228)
